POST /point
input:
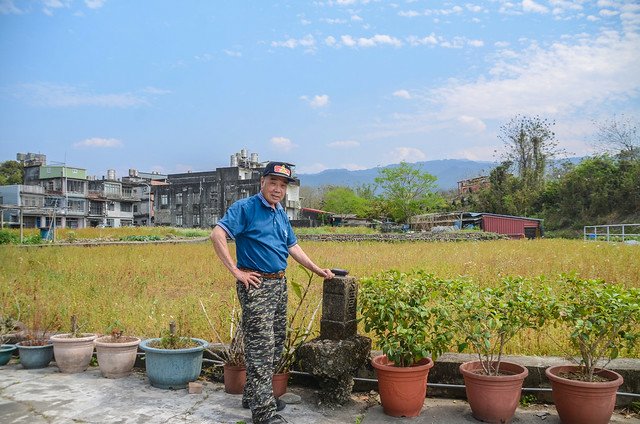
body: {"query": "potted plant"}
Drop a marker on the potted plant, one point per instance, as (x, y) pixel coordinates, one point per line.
(116, 352)
(9, 327)
(172, 361)
(73, 351)
(35, 349)
(602, 320)
(230, 355)
(485, 320)
(299, 330)
(403, 312)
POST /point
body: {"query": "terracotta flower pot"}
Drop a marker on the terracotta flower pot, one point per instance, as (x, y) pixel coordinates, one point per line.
(493, 399)
(402, 389)
(235, 377)
(280, 383)
(116, 358)
(73, 354)
(580, 402)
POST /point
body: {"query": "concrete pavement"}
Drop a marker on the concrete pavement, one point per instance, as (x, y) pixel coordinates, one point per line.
(48, 396)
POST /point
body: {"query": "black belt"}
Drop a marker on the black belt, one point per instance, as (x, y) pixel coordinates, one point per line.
(269, 275)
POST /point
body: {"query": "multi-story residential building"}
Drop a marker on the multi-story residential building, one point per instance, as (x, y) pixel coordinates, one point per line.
(110, 202)
(142, 182)
(200, 199)
(23, 203)
(66, 196)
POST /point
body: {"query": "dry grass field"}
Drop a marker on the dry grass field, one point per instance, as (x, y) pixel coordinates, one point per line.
(145, 286)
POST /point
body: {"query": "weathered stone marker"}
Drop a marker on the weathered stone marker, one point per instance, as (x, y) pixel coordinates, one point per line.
(339, 309)
(334, 357)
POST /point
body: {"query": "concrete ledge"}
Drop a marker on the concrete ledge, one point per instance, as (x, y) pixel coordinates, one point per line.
(445, 371)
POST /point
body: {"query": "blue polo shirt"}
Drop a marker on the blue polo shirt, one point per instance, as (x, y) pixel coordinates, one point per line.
(262, 235)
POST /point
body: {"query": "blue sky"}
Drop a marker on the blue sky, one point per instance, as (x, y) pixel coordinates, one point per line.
(172, 86)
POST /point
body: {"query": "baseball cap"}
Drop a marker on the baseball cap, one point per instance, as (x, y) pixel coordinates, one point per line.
(279, 169)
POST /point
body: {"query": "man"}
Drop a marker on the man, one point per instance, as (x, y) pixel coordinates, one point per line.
(264, 240)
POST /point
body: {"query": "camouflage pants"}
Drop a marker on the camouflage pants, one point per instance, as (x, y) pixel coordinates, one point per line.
(264, 323)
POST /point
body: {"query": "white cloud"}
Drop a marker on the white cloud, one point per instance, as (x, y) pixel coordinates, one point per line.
(483, 153)
(376, 40)
(556, 80)
(205, 57)
(474, 8)
(53, 95)
(608, 13)
(409, 13)
(473, 124)
(348, 40)
(311, 169)
(337, 21)
(7, 7)
(403, 94)
(430, 40)
(50, 5)
(282, 143)
(346, 144)
(97, 142)
(406, 154)
(308, 42)
(475, 43)
(353, 166)
(232, 53)
(356, 18)
(317, 101)
(95, 4)
(330, 41)
(532, 6)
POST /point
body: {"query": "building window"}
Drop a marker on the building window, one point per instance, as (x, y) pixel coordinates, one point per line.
(178, 198)
(135, 208)
(112, 189)
(164, 201)
(112, 206)
(75, 205)
(178, 220)
(126, 207)
(95, 208)
(196, 220)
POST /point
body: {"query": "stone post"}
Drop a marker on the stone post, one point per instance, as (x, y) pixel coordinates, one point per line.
(334, 357)
(338, 320)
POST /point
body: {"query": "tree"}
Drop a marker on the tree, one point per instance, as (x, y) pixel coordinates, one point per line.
(11, 172)
(588, 194)
(619, 136)
(311, 197)
(530, 144)
(498, 196)
(406, 191)
(344, 200)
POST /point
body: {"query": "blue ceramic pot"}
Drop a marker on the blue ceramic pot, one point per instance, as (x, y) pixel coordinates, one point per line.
(32, 357)
(6, 350)
(172, 368)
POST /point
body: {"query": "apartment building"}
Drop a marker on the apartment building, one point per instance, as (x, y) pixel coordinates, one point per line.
(66, 196)
(200, 199)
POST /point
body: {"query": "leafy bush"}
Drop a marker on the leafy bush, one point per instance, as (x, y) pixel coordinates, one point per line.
(405, 313)
(486, 319)
(141, 238)
(8, 237)
(602, 319)
(32, 239)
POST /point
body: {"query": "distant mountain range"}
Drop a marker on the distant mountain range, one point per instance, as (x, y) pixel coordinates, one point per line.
(448, 172)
